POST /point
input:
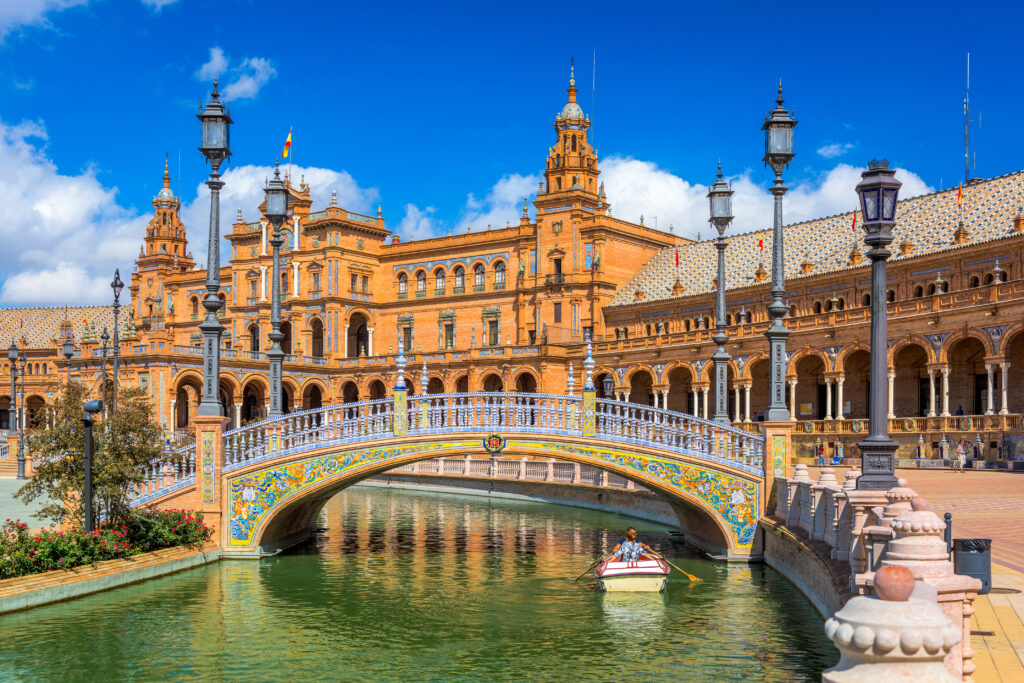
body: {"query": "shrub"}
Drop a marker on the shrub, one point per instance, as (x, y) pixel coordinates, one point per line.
(23, 552)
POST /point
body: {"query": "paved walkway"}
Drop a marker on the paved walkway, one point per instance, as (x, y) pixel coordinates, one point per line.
(12, 508)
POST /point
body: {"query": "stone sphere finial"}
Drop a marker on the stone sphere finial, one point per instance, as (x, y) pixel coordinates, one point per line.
(919, 504)
(894, 583)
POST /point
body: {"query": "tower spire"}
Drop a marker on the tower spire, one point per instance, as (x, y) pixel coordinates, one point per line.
(572, 79)
(167, 172)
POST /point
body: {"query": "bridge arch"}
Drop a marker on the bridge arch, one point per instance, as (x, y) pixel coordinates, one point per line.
(273, 505)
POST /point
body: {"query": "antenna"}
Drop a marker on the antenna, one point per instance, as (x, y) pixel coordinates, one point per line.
(967, 123)
(593, 96)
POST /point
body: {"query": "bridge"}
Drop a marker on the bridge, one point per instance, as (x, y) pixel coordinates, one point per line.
(263, 485)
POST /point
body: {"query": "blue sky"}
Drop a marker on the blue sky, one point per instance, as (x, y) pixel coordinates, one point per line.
(442, 114)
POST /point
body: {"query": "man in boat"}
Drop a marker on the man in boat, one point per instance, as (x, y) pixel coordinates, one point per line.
(628, 549)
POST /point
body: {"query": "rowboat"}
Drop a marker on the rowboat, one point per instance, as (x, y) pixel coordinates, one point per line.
(644, 574)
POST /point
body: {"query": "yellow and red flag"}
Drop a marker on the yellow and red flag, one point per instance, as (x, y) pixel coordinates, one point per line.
(854, 226)
(287, 145)
(760, 240)
(960, 194)
(677, 258)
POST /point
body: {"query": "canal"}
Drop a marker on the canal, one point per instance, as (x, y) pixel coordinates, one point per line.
(419, 586)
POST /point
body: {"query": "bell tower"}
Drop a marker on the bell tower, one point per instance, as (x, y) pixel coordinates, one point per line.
(571, 164)
(166, 244)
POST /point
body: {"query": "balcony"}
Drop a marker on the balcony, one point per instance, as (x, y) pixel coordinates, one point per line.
(420, 293)
(499, 286)
(478, 288)
(458, 290)
(403, 295)
(554, 279)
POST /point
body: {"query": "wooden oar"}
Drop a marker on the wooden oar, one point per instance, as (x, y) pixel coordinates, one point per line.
(691, 577)
(592, 566)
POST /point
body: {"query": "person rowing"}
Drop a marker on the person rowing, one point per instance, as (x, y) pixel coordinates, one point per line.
(629, 548)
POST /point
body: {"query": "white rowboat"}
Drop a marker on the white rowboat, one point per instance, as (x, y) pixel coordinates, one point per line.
(647, 574)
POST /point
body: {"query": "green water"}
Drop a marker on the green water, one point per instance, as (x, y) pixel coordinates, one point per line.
(424, 587)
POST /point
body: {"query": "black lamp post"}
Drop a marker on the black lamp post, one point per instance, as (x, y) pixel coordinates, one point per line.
(778, 152)
(878, 192)
(608, 384)
(276, 210)
(720, 202)
(12, 411)
(117, 286)
(69, 350)
(24, 417)
(91, 408)
(215, 145)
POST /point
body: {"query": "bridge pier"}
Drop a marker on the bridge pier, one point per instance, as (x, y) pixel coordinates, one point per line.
(209, 491)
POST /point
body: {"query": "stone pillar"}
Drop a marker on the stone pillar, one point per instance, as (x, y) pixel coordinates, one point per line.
(263, 283)
(828, 398)
(792, 400)
(991, 389)
(369, 341)
(746, 402)
(919, 546)
(736, 415)
(839, 397)
(778, 446)
(860, 503)
(1005, 367)
(840, 538)
(209, 462)
(796, 500)
(238, 414)
(892, 381)
(295, 270)
(893, 636)
(704, 403)
(696, 404)
(945, 392)
(931, 392)
(824, 488)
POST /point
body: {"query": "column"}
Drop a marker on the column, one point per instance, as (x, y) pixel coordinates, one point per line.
(945, 392)
(263, 283)
(736, 404)
(1005, 367)
(696, 404)
(892, 382)
(173, 422)
(991, 388)
(828, 398)
(263, 238)
(931, 392)
(746, 402)
(839, 397)
(369, 341)
(704, 402)
(238, 415)
(295, 273)
(792, 400)
(344, 344)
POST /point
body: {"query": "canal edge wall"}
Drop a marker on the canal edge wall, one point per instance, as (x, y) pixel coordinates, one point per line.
(823, 581)
(35, 590)
(637, 504)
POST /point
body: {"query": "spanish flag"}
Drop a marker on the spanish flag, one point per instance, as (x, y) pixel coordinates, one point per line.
(960, 194)
(760, 240)
(287, 145)
(854, 226)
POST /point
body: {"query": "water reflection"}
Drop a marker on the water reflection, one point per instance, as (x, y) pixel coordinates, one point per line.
(402, 585)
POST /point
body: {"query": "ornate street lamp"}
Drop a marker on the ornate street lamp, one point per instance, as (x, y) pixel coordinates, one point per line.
(69, 349)
(116, 285)
(878, 192)
(778, 152)
(215, 146)
(12, 411)
(720, 201)
(276, 210)
(608, 384)
(24, 417)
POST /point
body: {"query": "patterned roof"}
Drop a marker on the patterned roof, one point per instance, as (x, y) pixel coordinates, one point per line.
(927, 221)
(41, 325)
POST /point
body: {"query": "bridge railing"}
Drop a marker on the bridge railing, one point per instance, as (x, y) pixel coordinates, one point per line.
(175, 469)
(532, 470)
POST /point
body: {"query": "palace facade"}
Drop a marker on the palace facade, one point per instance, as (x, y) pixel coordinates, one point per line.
(508, 309)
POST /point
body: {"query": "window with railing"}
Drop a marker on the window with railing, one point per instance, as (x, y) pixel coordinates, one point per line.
(421, 283)
(499, 275)
(478, 278)
(403, 285)
(439, 281)
(460, 280)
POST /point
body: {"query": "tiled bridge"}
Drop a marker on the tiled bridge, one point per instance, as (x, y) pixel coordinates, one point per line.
(263, 485)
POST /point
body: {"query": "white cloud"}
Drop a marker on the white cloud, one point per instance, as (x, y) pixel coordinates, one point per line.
(638, 188)
(835, 149)
(157, 5)
(243, 189)
(62, 233)
(17, 13)
(242, 82)
(502, 204)
(418, 224)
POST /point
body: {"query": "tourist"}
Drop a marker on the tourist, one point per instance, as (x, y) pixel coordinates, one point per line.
(959, 411)
(961, 456)
(628, 549)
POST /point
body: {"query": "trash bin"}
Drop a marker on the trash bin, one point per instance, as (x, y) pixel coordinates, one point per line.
(973, 557)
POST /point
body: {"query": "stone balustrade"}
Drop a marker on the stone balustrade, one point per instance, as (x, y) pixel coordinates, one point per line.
(550, 471)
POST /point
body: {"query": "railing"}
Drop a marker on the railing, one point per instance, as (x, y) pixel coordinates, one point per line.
(4, 449)
(531, 470)
(175, 469)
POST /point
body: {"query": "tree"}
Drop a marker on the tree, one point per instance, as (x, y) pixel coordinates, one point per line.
(125, 442)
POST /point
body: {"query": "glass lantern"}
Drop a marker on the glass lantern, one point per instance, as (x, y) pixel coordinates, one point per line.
(879, 193)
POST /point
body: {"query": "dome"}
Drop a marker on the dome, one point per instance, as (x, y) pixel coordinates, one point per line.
(571, 111)
(165, 195)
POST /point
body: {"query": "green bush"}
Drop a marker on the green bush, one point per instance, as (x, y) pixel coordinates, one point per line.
(23, 552)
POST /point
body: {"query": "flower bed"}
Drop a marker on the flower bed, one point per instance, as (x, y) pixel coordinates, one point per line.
(23, 552)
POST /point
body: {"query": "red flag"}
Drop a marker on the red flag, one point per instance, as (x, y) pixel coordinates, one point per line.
(22, 323)
(760, 240)
(854, 226)
(959, 194)
(677, 258)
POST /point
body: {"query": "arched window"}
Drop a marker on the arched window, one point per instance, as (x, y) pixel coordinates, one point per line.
(499, 273)
(988, 279)
(866, 300)
(918, 292)
(891, 295)
(686, 325)
(842, 304)
(728, 319)
(975, 282)
(648, 330)
(931, 289)
(792, 310)
(748, 317)
(817, 307)
(439, 280)
(478, 275)
(421, 282)
(284, 282)
(460, 277)
(195, 307)
(707, 323)
(254, 338)
(28, 369)
(403, 283)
